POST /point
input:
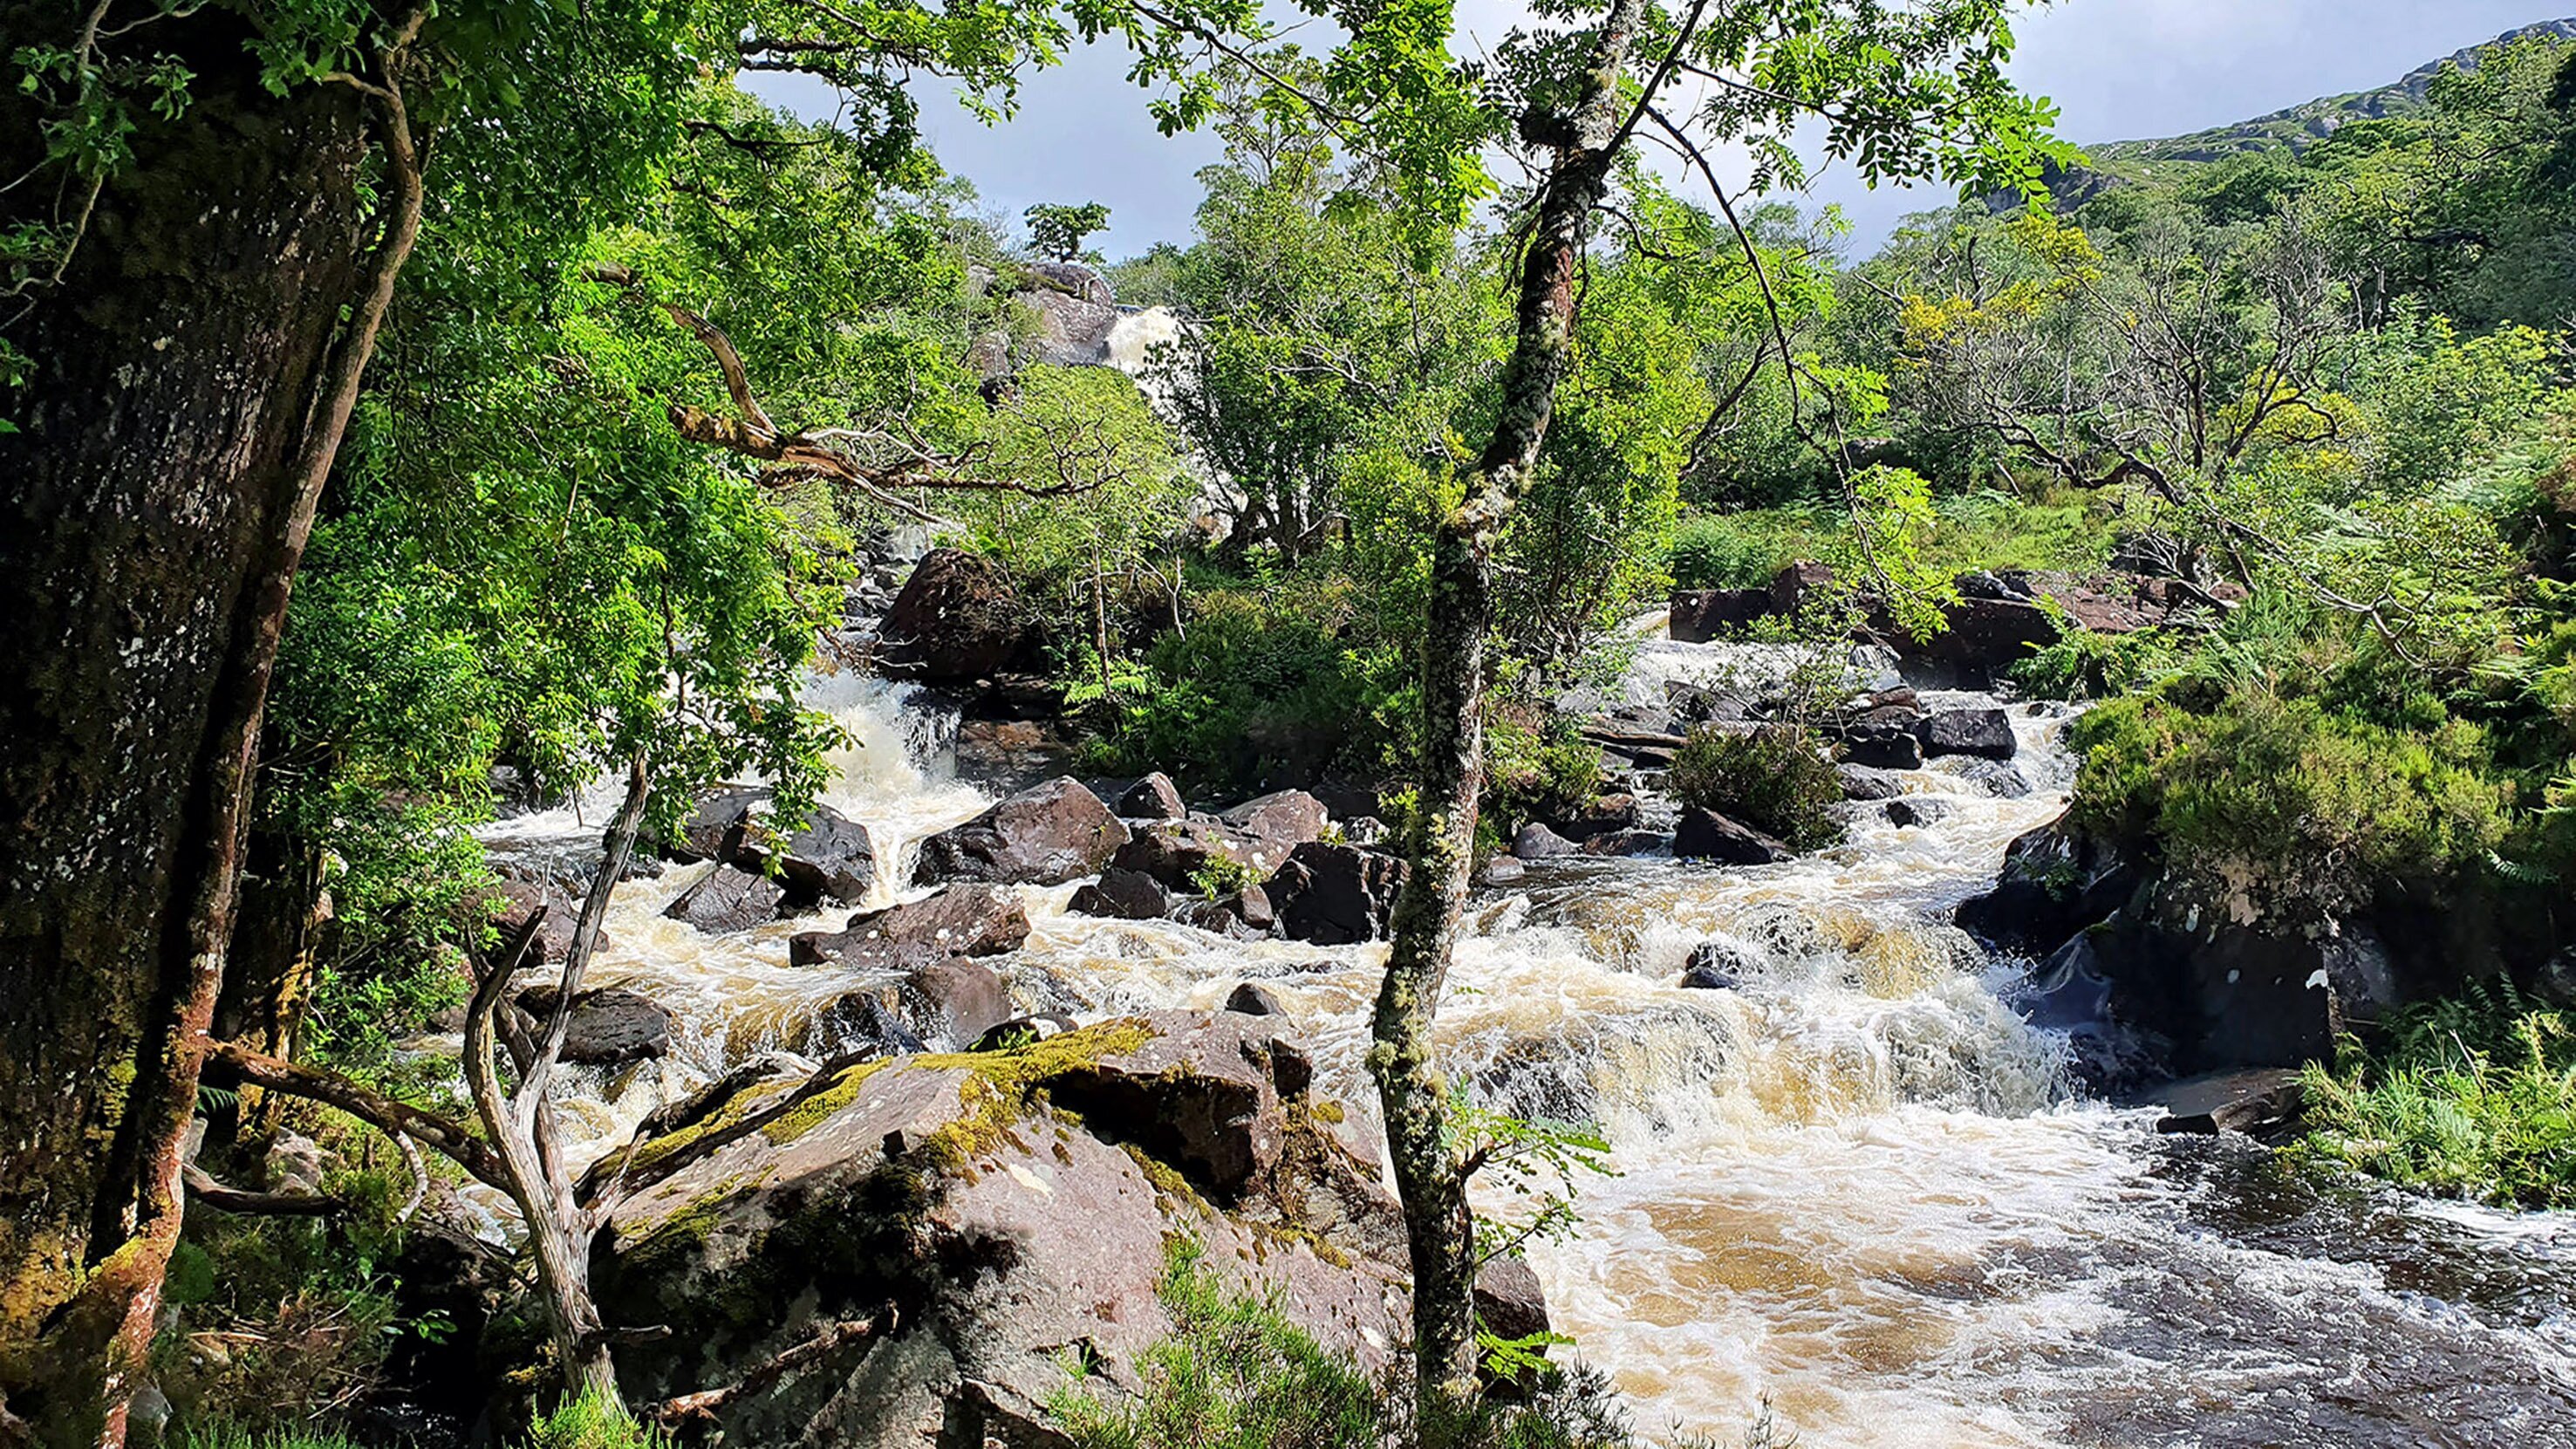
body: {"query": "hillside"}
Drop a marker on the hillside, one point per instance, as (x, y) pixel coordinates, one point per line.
(2299, 126)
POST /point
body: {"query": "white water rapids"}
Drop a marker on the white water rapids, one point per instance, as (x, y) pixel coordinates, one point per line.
(1860, 1186)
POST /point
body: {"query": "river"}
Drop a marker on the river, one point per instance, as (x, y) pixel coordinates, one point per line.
(1859, 1187)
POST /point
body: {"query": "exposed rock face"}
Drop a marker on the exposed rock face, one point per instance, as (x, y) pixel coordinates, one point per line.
(2056, 881)
(957, 619)
(1985, 733)
(1537, 842)
(1153, 798)
(2225, 995)
(1335, 895)
(1046, 835)
(1889, 746)
(1864, 782)
(1176, 852)
(1285, 819)
(980, 1234)
(1075, 312)
(948, 1003)
(1707, 835)
(829, 858)
(1603, 815)
(562, 914)
(963, 920)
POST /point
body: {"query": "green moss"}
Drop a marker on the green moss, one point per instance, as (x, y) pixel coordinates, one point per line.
(821, 1105)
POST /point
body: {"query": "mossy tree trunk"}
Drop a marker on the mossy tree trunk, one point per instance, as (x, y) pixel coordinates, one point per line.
(191, 373)
(1430, 1174)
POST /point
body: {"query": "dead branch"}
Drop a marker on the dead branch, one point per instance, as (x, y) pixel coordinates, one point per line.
(203, 1188)
(702, 1407)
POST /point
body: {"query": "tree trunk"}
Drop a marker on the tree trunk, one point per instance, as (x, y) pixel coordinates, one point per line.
(1440, 840)
(269, 971)
(191, 373)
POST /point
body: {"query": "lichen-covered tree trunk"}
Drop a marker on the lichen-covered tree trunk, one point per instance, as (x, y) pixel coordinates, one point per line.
(151, 499)
(1430, 1176)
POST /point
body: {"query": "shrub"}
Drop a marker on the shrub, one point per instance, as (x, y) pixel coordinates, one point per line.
(1774, 780)
(591, 1421)
(2474, 1097)
(1535, 776)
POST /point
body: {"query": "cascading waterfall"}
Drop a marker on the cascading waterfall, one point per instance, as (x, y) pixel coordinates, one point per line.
(1857, 1185)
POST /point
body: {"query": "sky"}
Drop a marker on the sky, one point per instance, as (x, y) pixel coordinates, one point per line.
(2118, 70)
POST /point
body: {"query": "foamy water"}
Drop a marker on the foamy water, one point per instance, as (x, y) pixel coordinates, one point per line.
(1858, 1186)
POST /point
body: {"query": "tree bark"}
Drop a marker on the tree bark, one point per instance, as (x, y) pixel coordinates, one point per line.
(192, 372)
(1430, 1176)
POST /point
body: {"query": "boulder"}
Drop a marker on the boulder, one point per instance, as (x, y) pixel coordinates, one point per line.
(1603, 815)
(1335, 895)
(2222, 993)
(1285, 819)
(2258, 1102)
(1177, 853)
(1882, 747)
(2057, 880)
(1617, 843)
(1984, 733)
(728, 899)
(1997, 778)
(1126, 895)
(1702, 615)
(1045, 835)
(1010, 755)
(830, 857)
(561, 910)
(1862, 782)
(1800, 581)
(1985, 637)
(938, 1237)
(957, 620)
(1537, 842)
(949, 1003)
(1707, 835)
(1510, 1304)
(1153, 798)
(1920, 810)
(702, 836)
(1023, 1031)
(1700, 704)
(1719, 966)
(964, 920)
(610, 1026)
(1254, 999)
(1501, 870)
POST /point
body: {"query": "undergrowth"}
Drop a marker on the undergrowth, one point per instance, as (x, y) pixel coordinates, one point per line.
(1772, 780)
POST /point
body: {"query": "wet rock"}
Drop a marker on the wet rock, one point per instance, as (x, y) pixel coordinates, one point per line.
(1616, 843)
(2057, 880)
(703, 835)
(1795, 585)
(2556, 979)
(1861, 782)
(1178, 854)
(2258, 1103)
(1719, 966)
(963, 920)
(1219, 918)
(1985, 637)
(1882, 747)
(1510, 1304)
(1997, 778)
(1501, 870)
(729, 899)
(957, 620)
(1603, 815)
(1126, 895)
(1254, 999)
(1284, 820)
(1010, 755)
(830, 857)
(1702, 615)
(610, 1026)
(562, 912)
(1917, 811)
(1335, 895)
(1153, 798)
(1984, 733)
(1707, 835)
(1700, 704)
(2226, 993)
(1021, 1031)
(1004, 1231)
(1045, 835)
(948, 1004)
(1537, 842)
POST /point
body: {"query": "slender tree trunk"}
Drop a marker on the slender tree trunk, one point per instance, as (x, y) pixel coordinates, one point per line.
(269, 972)
(193, 372)
(1430, 1177)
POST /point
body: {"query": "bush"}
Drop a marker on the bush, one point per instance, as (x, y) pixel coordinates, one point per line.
(1740, 550)
(1774, 780)
(593, 1422)
(2474, 1097)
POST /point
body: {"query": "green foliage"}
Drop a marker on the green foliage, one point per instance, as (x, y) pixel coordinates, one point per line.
(1535, 774)
(2471, 1097)
(593, 1421)
(1774, 780)
(1056, 229)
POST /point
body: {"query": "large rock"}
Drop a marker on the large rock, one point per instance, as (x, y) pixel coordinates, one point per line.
(1537, 842)
(1604, 815)
(1865, 782)
(1126, 895)
(1881, 746)
(947, 1003)
(1707, 835)
(1985, 637)
(957, 619)
(830, 857)
(1153, 798)
(1702, 615)
(982, 1217)
(1178, 853)
(610, 1026)
(1984, 733)
(1044, 835)
(1335, 895)
(2057, 880)
(728, 899)
(562, 912)
(2220, 994)
(1283, 820)
(962, 920)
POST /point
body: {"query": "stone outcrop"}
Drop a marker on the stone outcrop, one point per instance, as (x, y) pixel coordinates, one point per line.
(957, 620)
(1700, 616)
(829, 858)
(1045, 835)
(729, 899)
(1122, 894)
(1283, 820)
(1707, 835)
(1984, 733)
(948, 1003)
(962, 920)
(1153, 798)
(1335, 895)
(948, 1232)
(610, 1025)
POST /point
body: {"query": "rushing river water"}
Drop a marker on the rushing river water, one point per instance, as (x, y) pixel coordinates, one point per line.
(1860, 1187)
